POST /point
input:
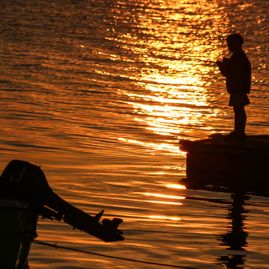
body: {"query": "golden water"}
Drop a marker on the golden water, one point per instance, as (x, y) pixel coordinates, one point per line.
(99, 93)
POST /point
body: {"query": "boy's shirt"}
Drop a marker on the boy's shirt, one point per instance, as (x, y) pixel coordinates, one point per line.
(237, 71)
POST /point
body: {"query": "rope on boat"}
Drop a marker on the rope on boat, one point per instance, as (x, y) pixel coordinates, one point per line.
(110, 256)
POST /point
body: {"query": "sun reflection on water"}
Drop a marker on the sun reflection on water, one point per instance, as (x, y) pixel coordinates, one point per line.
(171, 97)
(169, 103)
(163, 199)
(166, 196)
(162, 217)
(163, 202)
(175, 186)
(170, 89)
(171, 148)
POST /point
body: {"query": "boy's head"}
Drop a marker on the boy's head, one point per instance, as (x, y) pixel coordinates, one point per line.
(234, 42)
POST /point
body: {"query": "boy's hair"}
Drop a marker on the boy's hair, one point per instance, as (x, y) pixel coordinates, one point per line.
(235, 39)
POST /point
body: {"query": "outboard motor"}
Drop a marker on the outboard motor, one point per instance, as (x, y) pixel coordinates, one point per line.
(26, 184)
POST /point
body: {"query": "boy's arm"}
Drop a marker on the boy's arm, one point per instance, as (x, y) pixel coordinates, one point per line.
(224, 66)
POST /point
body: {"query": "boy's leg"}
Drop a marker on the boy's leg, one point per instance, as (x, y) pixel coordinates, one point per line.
(240, 118)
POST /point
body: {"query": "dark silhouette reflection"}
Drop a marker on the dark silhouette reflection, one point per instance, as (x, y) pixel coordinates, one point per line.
(236, 237)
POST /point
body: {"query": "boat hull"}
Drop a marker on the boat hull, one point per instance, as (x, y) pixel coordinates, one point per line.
(17, 230)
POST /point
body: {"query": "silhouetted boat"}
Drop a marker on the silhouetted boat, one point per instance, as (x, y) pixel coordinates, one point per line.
(17, 230)
(24, 196)
(220, 161)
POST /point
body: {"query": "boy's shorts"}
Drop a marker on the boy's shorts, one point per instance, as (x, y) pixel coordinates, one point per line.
(237, 99)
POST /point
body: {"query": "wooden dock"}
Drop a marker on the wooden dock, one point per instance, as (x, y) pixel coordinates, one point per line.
(222, 161)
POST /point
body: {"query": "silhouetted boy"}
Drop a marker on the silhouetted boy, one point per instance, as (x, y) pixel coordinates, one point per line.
(237, 71)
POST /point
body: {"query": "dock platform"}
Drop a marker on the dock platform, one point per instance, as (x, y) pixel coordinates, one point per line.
(223, 161)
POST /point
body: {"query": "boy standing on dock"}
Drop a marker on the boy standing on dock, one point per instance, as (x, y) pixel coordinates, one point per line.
(237, 70)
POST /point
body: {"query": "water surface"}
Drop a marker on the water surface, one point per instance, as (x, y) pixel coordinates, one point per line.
(100, 92)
